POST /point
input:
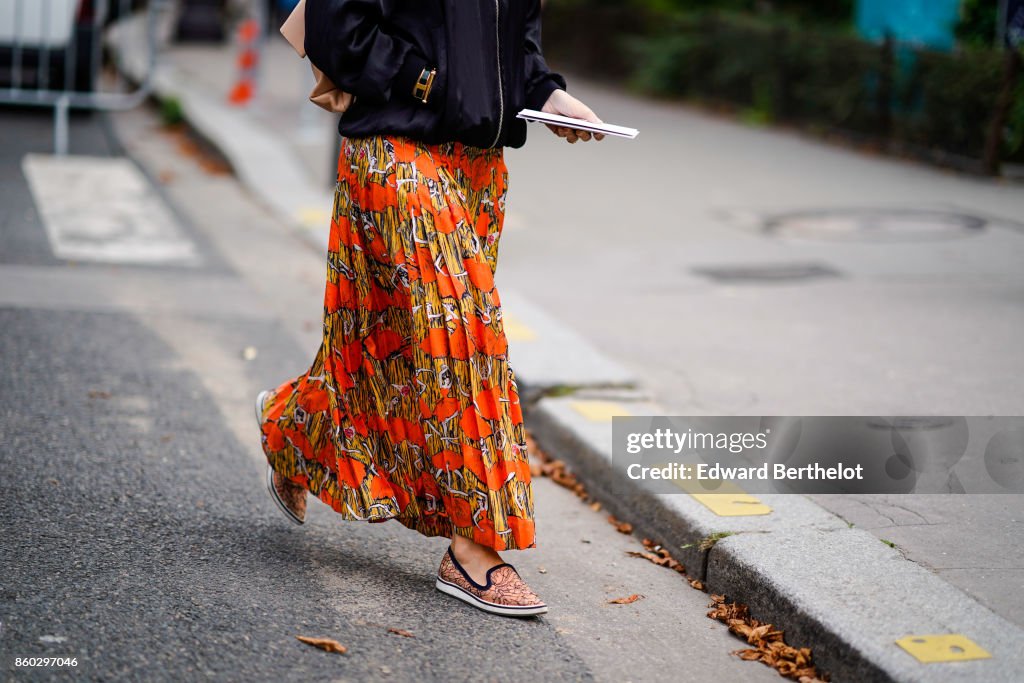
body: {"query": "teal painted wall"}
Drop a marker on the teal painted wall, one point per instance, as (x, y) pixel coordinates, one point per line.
(923, 22)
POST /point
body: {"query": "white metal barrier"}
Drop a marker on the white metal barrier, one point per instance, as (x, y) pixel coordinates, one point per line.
(51, 54)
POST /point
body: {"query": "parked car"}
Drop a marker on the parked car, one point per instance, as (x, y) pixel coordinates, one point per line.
(58, 38)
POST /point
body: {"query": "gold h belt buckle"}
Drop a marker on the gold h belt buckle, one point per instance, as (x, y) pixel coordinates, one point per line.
(423, 85)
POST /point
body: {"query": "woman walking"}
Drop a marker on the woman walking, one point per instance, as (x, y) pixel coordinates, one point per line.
(410, 410)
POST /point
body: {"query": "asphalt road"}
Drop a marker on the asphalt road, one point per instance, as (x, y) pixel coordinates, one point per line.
(138, 536)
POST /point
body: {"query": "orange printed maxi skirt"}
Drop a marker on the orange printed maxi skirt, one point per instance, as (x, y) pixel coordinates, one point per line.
(410, 410)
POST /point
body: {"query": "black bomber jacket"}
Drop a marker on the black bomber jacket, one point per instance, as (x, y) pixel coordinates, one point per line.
(487, 54)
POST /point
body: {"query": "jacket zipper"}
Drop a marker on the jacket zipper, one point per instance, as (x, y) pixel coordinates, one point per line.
(501, 86)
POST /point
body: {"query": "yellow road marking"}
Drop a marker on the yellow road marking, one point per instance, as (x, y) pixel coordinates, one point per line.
(732, 504)
(515, 330)
(599, 411)
(311, 217)
(944, 647)
(728, 499)
(696, 487)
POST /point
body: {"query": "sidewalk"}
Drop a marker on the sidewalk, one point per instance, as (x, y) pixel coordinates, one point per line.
(831, 584)
(280, 103)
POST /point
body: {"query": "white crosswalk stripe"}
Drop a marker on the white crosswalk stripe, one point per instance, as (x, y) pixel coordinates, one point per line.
(104, 209)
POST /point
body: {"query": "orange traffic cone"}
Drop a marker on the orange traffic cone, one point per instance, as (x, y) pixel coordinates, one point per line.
(244, 89)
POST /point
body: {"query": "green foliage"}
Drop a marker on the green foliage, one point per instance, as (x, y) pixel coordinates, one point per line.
(561, 390)
(978, 22)
(834, 11)
(708, 542)
(771, 69)
(833, 79)
(1015, 128)
(765, 60)
(171, 111)
(957, 93)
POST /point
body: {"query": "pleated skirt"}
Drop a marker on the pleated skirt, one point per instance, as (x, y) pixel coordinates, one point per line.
(410, 410)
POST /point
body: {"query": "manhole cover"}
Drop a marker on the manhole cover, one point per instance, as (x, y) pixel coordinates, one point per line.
(874, 225)
(765, 272)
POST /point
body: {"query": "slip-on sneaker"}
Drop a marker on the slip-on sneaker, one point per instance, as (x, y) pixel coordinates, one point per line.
(296, 512)
(504, 592)
(261, 398)
(279, 496)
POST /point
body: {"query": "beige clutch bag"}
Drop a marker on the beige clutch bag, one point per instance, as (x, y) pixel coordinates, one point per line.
(325, 94)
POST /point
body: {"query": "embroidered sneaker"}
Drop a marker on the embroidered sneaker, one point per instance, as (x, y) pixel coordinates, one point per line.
(503, 593)
(291, 499)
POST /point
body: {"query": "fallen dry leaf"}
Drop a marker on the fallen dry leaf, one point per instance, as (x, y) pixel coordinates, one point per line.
(326, 644)
(214, 166)
(205, 157)
(697, 584)
(99, 394)
(187, 147)
(620, 526)
(401, 632)
(629, 600)
(769, 646)
(658, 555)
(651, 557)
(556, 471)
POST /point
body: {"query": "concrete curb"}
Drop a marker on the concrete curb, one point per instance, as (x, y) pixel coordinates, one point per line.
(852, 597)
(835, 589)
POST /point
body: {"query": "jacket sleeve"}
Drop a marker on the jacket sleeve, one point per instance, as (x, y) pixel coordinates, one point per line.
(540, 80)
(344, 39)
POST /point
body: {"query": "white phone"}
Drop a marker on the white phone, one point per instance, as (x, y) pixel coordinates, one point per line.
(577, 124)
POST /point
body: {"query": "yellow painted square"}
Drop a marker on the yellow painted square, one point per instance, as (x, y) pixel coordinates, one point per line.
(943, 647)
(515, 330)
(703, 488)
(732, 504)
(728, 500)
(313, 217)
(600, 411)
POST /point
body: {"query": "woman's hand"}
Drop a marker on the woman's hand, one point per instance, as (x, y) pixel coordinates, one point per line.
(561, 102)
